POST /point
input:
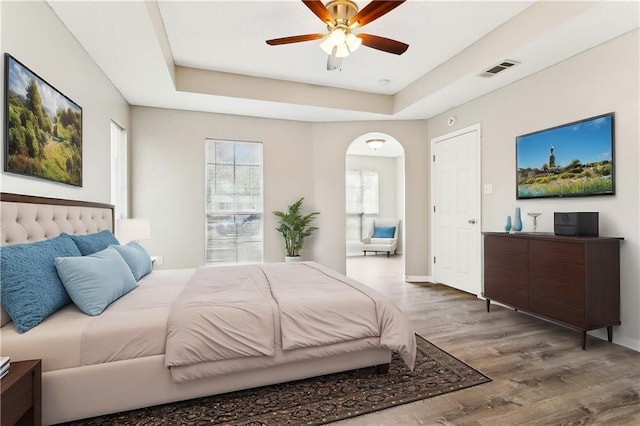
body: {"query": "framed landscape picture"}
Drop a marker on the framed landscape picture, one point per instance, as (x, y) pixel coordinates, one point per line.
(43, 128)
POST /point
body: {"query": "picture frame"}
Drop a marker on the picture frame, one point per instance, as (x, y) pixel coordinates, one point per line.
(43, 127)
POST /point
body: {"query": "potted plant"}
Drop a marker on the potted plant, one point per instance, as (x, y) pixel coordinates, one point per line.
(294, 228)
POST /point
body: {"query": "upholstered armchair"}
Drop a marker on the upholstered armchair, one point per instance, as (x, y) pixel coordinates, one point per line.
(382, 237)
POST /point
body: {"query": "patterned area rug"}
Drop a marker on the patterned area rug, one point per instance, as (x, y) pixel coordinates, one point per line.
(317, 400)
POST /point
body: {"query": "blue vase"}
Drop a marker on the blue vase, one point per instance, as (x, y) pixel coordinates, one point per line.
(517, 223)
(507, 227)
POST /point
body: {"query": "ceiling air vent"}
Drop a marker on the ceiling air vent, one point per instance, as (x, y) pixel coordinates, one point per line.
(499, 68)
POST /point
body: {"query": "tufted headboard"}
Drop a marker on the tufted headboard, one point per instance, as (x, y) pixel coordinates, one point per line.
(25, 218)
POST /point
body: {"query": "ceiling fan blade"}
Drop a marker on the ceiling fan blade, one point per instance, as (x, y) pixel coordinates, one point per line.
(294, 39)
(320, 10)
(382, 43)
(374, 10)
(333, 62)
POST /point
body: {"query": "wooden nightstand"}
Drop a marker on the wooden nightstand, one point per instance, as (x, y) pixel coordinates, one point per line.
(22, 394)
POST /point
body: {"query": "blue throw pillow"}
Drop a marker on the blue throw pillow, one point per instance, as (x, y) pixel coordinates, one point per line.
(136, 257)
(384, 232)
(29, 285)
(93, 243)
(95, 280)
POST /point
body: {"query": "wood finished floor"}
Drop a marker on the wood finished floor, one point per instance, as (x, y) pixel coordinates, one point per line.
(540, 374)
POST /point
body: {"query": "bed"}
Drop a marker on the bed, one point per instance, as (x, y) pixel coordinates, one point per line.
(144, 349)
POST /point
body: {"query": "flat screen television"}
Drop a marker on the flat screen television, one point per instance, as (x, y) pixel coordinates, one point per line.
(571, 160)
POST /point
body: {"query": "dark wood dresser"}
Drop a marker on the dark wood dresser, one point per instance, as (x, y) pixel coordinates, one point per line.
(573, 281)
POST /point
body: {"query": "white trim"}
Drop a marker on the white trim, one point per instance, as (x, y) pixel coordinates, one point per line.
(475, 127)
(418, 279)
(119, 168)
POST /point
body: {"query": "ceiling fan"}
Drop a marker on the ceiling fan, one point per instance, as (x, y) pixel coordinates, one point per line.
(341, 18)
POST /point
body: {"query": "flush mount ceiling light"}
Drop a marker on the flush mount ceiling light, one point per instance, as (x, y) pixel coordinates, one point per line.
(375, 144)
(342, 17)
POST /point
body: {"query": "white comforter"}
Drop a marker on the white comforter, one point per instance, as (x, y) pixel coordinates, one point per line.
(229, 313)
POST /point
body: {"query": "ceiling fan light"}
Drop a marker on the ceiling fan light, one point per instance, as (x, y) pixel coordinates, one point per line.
(337, 36)
(375, 143)
(353, 42)
(342, 51)
(327, 45)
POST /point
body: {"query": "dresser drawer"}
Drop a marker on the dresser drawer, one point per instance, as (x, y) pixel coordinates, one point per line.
(506, 277)
(506, 244)
(557, 251)
(571, 273)
(573, 294)
(512, 262)
(506, 294)
(558, 310)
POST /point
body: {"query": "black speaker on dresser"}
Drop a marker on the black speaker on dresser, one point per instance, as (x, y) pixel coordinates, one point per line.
(579, 224)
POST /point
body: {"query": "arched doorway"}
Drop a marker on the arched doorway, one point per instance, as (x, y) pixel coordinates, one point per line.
(375, 188)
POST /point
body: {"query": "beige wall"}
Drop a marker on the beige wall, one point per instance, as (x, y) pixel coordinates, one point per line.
(601, 80)
(33, 34)
(167, 177)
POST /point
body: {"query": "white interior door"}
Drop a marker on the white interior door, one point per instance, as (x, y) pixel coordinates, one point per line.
(455, 229)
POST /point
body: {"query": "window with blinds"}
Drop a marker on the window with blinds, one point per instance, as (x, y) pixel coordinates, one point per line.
(233, 204)
(362, 201)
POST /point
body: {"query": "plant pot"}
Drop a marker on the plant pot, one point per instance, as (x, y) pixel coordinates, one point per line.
(292, 259)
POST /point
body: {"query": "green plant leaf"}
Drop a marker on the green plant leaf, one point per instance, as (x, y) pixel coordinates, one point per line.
(294, 227)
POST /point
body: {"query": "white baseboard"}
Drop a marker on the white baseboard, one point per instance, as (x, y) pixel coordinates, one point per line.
(418, 278)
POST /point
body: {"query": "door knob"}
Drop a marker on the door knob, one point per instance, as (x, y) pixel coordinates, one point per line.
(472, 221)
